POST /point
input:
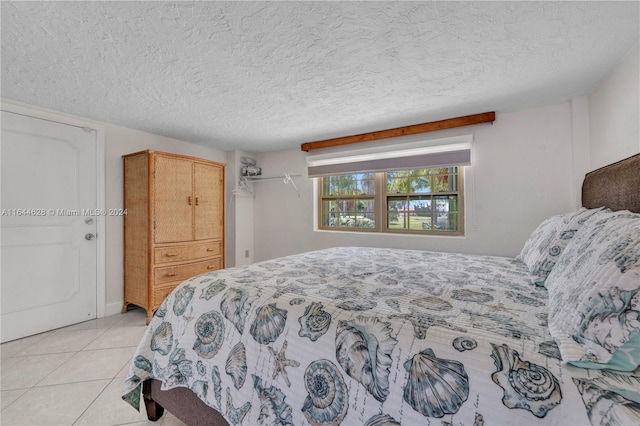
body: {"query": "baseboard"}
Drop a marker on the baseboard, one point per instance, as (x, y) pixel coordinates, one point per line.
(112, 309)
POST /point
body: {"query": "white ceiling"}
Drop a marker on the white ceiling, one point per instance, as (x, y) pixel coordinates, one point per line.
(261, 76)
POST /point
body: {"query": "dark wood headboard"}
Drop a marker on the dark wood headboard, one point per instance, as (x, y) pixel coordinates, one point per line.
(616, 186)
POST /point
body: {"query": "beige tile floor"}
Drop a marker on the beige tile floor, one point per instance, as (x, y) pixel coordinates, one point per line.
(73, 375)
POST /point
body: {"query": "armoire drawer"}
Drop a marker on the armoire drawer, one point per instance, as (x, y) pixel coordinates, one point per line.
(186, 252)
(161, 293)
(182, 272)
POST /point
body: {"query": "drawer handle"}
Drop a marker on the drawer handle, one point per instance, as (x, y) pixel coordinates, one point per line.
(197, 201)
(171, 274)
(171, 254)
(211, 267)
(189, 200)
(211, 249)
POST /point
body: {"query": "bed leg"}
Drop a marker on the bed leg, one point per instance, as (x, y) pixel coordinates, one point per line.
(154, 410)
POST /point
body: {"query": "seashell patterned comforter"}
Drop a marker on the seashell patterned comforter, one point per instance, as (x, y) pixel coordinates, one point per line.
(366, 336)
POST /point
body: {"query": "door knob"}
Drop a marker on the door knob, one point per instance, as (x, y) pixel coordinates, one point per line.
(89, 236)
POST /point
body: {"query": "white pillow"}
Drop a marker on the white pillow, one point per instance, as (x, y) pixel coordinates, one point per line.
(594, 293)
(547, 242)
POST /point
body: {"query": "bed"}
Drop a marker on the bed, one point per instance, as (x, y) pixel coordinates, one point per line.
(374, 336)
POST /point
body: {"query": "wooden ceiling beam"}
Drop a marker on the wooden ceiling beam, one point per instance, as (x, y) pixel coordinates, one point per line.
(449, 123)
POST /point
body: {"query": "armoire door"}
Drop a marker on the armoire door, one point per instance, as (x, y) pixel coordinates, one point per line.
(49, 249)
(208, 210)
(173, 200)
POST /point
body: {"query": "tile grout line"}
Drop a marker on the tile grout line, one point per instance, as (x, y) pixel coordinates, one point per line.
(54, 370)
(99, 331)
(93, 402)
(13, 402)
(113, 326)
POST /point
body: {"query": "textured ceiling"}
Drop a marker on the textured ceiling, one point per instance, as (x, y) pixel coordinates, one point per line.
(261, 76)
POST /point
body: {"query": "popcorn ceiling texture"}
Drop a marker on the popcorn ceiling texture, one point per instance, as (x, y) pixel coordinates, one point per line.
(260, 76)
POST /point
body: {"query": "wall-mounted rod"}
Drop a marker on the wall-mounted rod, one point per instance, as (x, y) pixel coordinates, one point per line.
(449, 123)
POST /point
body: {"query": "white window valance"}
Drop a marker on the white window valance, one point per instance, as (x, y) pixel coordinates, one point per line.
(444, 152)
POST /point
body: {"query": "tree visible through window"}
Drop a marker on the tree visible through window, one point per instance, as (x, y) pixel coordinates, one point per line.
(427, 201)
(348, 201)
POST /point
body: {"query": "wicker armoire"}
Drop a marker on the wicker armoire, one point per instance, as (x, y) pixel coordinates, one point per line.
(174, 226)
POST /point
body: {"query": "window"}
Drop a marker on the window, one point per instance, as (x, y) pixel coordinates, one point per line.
(420, 201)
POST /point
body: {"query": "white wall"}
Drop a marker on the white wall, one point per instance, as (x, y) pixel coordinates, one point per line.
(614, 113)
(522, 172)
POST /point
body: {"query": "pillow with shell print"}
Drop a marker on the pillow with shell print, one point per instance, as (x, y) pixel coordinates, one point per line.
(547, 242)
(594, 294)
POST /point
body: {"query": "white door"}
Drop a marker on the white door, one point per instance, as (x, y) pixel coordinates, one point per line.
(48, 202)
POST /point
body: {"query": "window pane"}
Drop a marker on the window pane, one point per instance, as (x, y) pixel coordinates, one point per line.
(399, 182)
(348, 186)
(355, 184)
(411, 212)
(366, 184)
(422, 206)
(446, 215)
(338, 185)
(444, 179)
(444, 183)
(332, 185)
(446, 203)
(420, 181)
(420, 184)
(366, 206)
(349, 206)
(327, 187)
(348, 213)
(397, 185)
(446, 222)
(328, 219)
(396, 212)
(365, 220)
(328, 213)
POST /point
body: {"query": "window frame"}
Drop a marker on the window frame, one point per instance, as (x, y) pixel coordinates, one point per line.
(381, 198)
